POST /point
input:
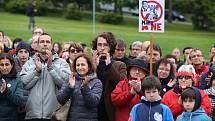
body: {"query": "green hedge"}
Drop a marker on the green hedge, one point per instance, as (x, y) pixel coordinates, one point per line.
(72, 12)
(111, 18)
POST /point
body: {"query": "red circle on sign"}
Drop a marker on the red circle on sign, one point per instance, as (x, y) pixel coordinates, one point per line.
(146, 17)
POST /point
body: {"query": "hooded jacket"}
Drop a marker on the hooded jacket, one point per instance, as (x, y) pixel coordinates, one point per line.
(43, 87)
(171, 100)
(198, 115)
(150, 111)
(84, 100)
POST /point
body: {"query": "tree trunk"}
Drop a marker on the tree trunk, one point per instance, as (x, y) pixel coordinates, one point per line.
(170, 12)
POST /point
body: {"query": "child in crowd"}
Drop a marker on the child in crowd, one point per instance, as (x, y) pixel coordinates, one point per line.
(150, 108)
(185, 78)
(191, 101)
(211, 94)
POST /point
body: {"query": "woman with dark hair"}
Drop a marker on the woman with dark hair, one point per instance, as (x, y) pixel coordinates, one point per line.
(165, 73)
(84, 90)
(57, 48)
(11, 95)
(75, 49)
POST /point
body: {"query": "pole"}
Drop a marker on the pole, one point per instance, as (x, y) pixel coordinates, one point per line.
(94, 16)
(151, 47)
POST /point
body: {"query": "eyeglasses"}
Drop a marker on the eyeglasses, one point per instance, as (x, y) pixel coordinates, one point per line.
(184, 77)
(120, 49)
(74, 50)
(105, 45)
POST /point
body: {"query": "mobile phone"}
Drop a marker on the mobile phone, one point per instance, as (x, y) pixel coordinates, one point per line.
(103, 57)
(1, 83)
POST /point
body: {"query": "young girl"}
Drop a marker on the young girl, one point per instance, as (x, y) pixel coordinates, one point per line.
(191, 100)
(11, 90)
(211, 94)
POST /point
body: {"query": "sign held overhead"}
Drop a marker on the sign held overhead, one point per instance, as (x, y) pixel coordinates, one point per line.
(151, 15)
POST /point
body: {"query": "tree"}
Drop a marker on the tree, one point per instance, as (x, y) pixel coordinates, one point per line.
(118, 4)
(202, 11)
(170, 12)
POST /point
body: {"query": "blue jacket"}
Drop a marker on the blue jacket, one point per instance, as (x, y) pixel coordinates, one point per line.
(84, 100)
(198, 115)
(150, 111)
(11, 99)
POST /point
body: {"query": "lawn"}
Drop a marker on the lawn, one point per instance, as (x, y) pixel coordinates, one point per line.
(175, 35)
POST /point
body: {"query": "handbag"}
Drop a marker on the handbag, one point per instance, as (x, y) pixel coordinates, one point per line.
(62, 112)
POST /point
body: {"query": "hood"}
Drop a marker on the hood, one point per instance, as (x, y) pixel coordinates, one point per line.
(197, 112)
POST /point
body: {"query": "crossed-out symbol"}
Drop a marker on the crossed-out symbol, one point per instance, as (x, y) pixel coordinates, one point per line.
(151, 16)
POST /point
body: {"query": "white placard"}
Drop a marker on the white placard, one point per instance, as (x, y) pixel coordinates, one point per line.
(151, 15)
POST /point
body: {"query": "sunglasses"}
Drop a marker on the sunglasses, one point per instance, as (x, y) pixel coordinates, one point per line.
(74, 50)
(184, 77)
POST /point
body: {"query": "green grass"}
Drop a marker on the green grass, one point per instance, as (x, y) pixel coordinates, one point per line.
(175, 35)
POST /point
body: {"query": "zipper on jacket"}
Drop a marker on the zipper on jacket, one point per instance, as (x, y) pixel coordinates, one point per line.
(150, 107)
(42, 87)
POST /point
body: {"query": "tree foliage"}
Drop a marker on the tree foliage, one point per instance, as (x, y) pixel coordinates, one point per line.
(202, 11)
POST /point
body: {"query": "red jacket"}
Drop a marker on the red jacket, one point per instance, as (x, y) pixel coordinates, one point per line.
(123, 100)
(199, 73)
(171, 100)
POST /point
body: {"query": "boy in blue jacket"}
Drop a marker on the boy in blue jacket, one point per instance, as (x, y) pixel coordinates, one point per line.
(191, 101)
(150, 108)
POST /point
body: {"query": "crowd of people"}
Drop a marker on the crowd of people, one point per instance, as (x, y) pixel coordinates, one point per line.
(103, 83)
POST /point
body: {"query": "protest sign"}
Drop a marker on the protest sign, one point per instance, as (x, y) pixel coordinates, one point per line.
(151, 15)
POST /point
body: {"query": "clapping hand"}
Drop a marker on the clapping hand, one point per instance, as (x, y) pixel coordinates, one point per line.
(49, 56)
(38, 63)
(72, 80)
(86, 81)
(136, 85)
(3, 86)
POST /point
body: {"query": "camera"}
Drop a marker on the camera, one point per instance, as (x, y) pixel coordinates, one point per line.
(211, 70)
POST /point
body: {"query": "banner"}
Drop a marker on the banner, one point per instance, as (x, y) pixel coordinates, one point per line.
(151, 15)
